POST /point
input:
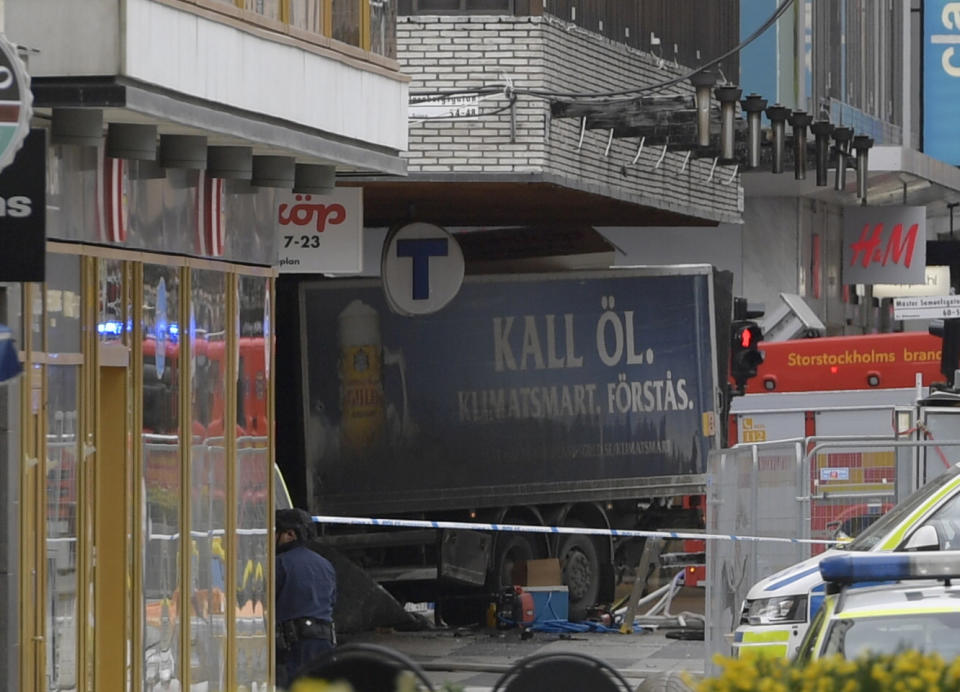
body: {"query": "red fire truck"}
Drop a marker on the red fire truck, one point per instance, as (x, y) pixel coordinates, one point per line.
(831, 388)
(832, 364)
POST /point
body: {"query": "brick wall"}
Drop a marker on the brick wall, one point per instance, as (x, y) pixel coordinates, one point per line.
(464, 52)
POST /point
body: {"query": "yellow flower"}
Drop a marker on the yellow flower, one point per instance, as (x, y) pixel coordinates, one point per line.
(880, 674)
(909, 671)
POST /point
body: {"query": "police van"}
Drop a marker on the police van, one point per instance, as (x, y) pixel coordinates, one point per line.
(777, 611)
(920, 612)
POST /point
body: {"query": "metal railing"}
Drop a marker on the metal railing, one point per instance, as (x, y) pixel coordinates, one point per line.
(804, 488)
(883, 133)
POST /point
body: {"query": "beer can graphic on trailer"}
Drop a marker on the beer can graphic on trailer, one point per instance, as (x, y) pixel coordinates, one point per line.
(361, 379)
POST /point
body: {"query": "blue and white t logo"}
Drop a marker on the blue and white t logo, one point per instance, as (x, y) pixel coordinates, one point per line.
(421, 250)
(422, 269)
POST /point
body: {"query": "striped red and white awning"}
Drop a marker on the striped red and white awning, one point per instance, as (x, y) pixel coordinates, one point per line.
(112, 203)
(211, 225)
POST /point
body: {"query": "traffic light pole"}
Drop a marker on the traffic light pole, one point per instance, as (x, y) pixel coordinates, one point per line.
(949, 352)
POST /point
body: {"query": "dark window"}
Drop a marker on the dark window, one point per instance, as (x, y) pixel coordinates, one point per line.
(688, 31)
(456, 7)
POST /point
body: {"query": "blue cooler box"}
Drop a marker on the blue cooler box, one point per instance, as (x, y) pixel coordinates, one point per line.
(549, 602)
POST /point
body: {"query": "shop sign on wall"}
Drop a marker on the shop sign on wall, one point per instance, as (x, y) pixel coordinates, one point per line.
(941, 80)
(16, 101)
(884, 245)
(321, 234)
(23, 212)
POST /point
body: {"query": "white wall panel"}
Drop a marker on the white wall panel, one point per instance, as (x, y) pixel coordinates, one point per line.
(208, 60)
(215, 62)
(720, 246)
(70, 38)
(770, 249)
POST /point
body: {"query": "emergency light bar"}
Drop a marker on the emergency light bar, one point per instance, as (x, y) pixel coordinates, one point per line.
(850, 569)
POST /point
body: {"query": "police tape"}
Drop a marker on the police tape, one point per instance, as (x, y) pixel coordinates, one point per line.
(522, 528)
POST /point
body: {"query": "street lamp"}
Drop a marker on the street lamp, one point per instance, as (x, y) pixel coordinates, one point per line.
(753, 106)
(841, 138)
(778, 117)
(728, 97)
(822, 129)
(861, 145)
(799, 121)
(703, 82)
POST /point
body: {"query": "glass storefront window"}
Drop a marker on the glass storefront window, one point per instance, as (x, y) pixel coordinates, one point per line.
(162, 550)
(179, 346)
(62, 471)
(36, 318)
(63, 304)
(253, 465)
(112, 315)
(11, 310)
(62, 474)
(208, 479)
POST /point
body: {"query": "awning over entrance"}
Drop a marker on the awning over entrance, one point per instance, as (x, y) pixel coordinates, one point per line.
(506, 202)
(126, 102)
(897, 175)
(270, 81)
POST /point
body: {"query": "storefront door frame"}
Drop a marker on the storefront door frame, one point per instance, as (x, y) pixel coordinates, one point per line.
(109, 467)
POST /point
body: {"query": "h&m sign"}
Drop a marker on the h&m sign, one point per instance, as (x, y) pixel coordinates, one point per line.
(884, 245)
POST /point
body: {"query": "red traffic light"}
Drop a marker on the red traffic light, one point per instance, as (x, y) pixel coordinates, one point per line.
(745, 356)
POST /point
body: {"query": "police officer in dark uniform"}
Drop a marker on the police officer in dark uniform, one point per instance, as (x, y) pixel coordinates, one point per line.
(306, 592)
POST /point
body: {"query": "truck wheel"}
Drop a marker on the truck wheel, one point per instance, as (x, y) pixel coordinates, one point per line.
(512, 550)
(581, 573)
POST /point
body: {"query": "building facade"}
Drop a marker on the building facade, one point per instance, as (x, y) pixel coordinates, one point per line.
(857, 65)
(138, 445)
(853, 64)
(488, 147)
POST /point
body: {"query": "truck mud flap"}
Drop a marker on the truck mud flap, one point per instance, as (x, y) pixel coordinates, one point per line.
(362, 604)
(464, 556)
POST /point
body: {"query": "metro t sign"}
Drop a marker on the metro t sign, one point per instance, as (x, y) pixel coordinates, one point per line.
(422, 268)
(884, 245)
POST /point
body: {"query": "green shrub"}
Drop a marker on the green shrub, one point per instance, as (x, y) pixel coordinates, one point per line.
(906, 671)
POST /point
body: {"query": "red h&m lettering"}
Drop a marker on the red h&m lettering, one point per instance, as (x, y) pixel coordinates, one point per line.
(868, 246)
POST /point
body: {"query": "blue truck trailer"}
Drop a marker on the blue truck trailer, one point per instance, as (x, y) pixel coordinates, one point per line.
(586, 398)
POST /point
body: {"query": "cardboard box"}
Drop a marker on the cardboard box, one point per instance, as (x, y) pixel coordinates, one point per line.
(538, 573)
(549, 602)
